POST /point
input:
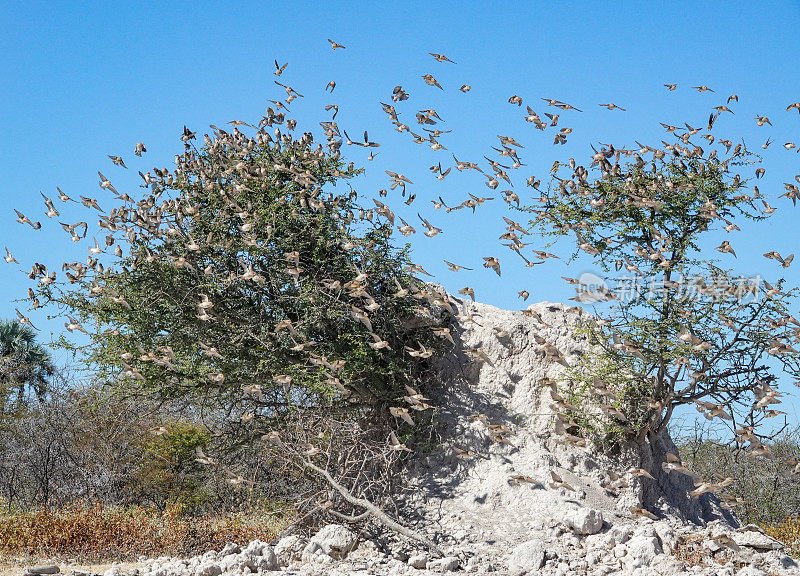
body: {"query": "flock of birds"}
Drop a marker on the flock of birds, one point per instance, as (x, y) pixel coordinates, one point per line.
(147, 217)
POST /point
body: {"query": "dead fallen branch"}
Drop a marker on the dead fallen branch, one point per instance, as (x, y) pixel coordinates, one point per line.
(375, 512)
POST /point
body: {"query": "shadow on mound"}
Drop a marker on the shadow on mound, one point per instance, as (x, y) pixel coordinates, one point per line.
(670, 491)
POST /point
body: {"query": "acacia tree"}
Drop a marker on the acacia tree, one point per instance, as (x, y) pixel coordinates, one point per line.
(681, 327)
(255, 289)
(245, 279)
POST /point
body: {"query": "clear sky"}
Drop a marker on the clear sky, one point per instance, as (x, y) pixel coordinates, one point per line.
(83, 80)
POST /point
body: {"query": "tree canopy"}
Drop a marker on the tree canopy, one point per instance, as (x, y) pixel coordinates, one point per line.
(680, 324)
(24, 364)
(251, 284)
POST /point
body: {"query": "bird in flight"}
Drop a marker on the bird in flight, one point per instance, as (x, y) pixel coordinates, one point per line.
(9, 258)
(440, 57)
(279, 69)
(117, 160)
(493, 263)
(431, 81)
(784, 262)
(612, 106)
(455, 267)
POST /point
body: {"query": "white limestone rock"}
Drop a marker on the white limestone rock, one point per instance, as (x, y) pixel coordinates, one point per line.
(418, 561)
(44, 569)
(526, 558)
(311, 550)
(334, 540)
(208, 569)
(584, 521)
(641, 551)
(230, 548)
(289, 549)
(753, 537)
(751, 571)
(446, 564)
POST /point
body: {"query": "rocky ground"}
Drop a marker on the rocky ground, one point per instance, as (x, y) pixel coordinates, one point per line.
(500, 493)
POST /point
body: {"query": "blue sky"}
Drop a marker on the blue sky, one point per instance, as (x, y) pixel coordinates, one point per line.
(83, 80)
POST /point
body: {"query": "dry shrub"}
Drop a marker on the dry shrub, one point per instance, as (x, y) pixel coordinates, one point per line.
(689, 549)
(96, 532)
(787, 532)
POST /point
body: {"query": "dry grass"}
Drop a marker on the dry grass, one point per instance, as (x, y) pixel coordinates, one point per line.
(787, 532)
(98, 533)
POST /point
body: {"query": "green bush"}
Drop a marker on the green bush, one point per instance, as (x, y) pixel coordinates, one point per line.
(169, 474)
(581, 386)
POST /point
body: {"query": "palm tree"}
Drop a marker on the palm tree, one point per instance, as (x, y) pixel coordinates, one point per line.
(23, 362)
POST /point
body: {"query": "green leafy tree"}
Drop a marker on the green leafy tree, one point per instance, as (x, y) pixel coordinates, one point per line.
(686, 329)
(24, 365)
(251, 285)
